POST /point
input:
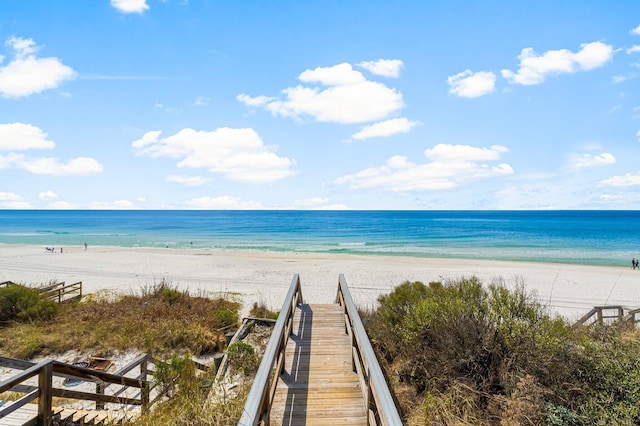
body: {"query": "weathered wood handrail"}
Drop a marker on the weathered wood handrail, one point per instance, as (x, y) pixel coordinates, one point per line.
(258, 404)
(599, 313)
(378, 400)
(62, 292)
(56, 292)
(45, 390)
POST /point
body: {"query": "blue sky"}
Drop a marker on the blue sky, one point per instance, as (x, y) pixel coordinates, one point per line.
(176, 104)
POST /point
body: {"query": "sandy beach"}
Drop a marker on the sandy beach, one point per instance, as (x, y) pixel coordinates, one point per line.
(570, 290)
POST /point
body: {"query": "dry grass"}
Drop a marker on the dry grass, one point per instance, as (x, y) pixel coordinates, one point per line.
(159, 320)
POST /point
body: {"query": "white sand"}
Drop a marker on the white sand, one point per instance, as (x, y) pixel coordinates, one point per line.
(570, 290)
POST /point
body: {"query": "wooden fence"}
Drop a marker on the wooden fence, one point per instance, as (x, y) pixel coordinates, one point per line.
(609, 314)
(56, 292)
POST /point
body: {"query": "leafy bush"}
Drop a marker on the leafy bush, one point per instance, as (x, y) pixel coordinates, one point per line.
(242, 357)
(24, 304)
(474, 354)
(225, 317)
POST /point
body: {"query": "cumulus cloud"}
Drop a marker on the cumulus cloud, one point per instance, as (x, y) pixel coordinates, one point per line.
(629, 179)
(340, 95)
(535, 68)
(384, 67)
(113, 205)
(80, 166)
(26, 74)
(585, 161)
(47, 195)
(468, 84)
(222, 203)
(188, 180)
(62, 205)
(21, 136)
(237, 154)
(636, 31)
(386, 128)
(130, 6)
(450, 166)
(317, 203)
(633, 49)
(11, 200)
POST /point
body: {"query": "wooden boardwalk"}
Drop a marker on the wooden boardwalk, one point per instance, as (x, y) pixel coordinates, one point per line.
(318, 385)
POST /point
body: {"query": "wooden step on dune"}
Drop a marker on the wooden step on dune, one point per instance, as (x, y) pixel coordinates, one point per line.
(27, 416)
(318, 385)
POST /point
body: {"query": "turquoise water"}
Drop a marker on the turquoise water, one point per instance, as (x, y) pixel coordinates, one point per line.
(582, 237)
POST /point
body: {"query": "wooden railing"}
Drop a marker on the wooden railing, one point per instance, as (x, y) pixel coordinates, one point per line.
(45, 390)
(57, 292)
(61, 292)
(377, 397)
(602, 314)
(260, 398)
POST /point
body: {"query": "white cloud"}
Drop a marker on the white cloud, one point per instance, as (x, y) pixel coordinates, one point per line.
(534, 68)
(638, 135)
(317, 203)
(585, 161)
(636, 31)
(115, 205)
(384, 67)
(451, 166)
(222, 203)
(47, 195)
(617, 79)
(633, 49)
(10, 200)
(348, 97)
(188, 180)
(386, 128)
(468, 84)
(629, 179)
(10, 160)
(201, 101)
(21, 136)
(80, 166)
(10, 196)
(62, 205)
(26, 74)
(130, 6)
(237, 154)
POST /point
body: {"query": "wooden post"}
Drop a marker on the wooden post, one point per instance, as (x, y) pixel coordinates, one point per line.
(99, 391)
(45, 384)
(599, 316)
(144, 389)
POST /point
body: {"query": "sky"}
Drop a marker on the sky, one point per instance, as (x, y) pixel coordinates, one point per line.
(363, 105)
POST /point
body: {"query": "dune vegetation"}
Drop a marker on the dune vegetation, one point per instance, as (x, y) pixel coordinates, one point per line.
(460, 353)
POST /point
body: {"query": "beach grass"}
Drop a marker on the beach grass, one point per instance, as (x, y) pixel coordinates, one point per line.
(158, 319)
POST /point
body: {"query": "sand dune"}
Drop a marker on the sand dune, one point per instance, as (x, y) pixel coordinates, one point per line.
(570, 290)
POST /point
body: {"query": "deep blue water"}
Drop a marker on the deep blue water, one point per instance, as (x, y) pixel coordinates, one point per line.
(584, 237)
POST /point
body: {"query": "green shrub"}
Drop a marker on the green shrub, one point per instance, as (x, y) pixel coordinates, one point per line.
(494, 355)
(24, 304)
(242, 357)
(260, 310)
(225, 317)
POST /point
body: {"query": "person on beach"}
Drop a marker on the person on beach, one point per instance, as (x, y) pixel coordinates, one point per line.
(85, 245)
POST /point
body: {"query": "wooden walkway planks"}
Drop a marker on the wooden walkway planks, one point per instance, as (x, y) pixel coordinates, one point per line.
(318, 384)
(23, 416)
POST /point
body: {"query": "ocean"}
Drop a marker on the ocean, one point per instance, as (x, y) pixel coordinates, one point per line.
(579, 237)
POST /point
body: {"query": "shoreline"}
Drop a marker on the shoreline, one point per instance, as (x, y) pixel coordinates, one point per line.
(264, 276)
